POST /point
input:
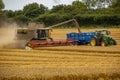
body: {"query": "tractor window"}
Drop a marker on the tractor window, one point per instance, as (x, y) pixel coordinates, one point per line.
(98, 33)
(108, 32)
(104, 33)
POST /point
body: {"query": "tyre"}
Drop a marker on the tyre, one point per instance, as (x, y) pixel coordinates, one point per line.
(114, 42)
(28, 48)
(76, 43)
(93, 42)
(104, 43)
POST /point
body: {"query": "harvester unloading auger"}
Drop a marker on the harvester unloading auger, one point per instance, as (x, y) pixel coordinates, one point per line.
(65, 22)
(39, 37)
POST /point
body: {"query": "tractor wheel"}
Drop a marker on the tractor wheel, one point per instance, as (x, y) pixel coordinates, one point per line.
(104, 43)
(114, 42)
(93, 42)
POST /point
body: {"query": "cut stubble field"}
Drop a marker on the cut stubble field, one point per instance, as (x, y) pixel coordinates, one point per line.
(61, 60)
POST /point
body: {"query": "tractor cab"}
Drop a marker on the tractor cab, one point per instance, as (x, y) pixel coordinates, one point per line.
(102, 32)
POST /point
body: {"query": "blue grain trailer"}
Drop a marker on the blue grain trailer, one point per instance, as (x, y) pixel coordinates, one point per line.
(81, 38)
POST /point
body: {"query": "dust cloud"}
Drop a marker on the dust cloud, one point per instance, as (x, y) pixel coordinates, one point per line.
(7, 34)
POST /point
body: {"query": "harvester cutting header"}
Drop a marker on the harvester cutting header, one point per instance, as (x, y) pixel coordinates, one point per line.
(35, 36)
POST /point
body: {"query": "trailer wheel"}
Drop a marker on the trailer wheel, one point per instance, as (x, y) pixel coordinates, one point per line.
(93, 42)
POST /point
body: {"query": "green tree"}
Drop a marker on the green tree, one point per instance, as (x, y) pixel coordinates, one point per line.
(116, 7)
(62, 9)
(1, 12)
(34, 10)
(79, 7)
(19, 12)
(9, 13)
(1, 5)
(21, 19)
(57, 9)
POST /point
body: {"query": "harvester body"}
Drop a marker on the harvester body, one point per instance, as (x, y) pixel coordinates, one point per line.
(35, 36)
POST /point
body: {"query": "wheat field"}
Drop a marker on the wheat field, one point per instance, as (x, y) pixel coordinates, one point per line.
(82, 62)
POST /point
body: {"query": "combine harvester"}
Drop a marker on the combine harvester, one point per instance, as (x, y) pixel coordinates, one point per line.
(39, 37)
(35, 36)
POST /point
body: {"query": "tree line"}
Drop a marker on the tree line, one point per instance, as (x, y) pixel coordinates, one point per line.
(86, 12)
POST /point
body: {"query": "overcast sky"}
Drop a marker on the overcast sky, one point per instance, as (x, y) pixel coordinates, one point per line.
(19, 4)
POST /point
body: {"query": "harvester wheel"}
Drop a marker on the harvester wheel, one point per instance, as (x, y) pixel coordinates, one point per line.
(27, 46)
(93, 42)
(104, 43)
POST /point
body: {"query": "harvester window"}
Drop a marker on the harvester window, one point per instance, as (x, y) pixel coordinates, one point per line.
(41, 34)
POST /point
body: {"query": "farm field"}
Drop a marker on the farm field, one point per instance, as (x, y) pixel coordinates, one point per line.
(63, 62)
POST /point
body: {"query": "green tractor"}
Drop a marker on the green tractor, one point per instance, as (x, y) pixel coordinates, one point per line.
(102, 38)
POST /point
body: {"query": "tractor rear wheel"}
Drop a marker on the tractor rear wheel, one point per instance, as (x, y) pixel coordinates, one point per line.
(93, 42)
(104, 43)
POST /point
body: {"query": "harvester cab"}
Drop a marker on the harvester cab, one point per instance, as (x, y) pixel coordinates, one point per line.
(102, 38)
(43, 34)
(38, 34)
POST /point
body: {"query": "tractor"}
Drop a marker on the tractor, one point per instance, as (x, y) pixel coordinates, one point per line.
(102, 38)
